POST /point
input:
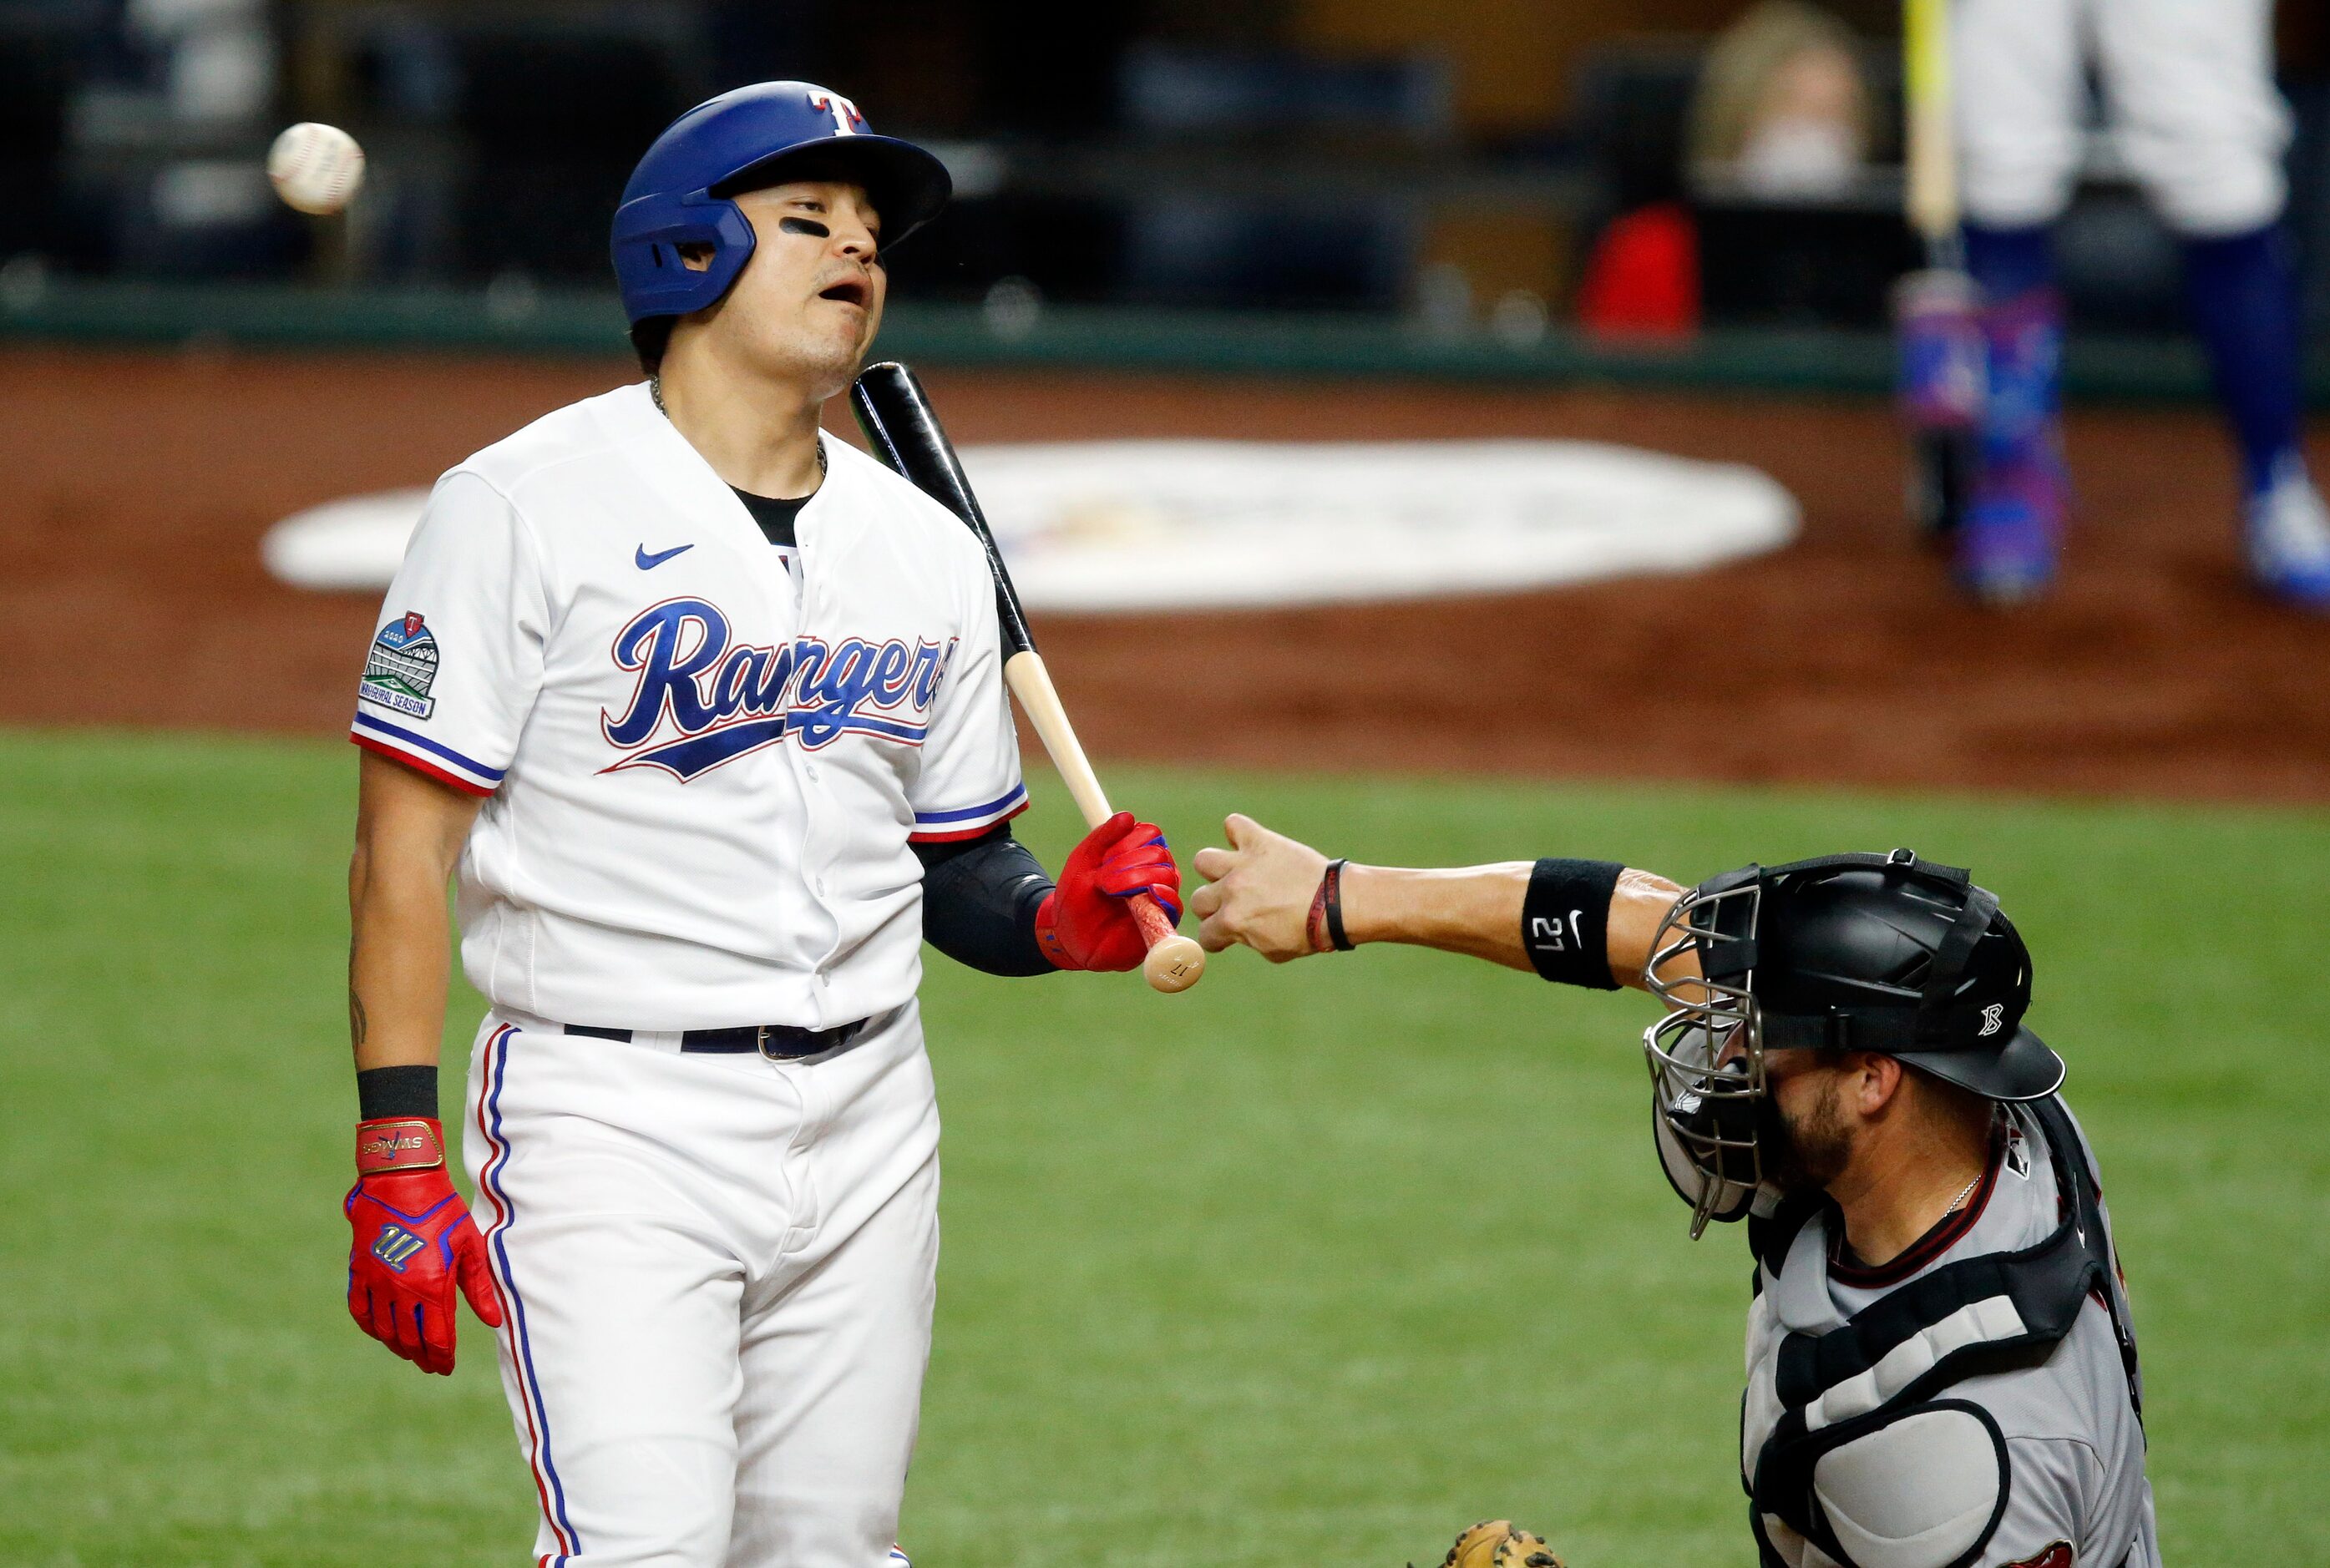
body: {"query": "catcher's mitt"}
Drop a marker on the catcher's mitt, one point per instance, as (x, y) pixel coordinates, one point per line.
(1496, 1544)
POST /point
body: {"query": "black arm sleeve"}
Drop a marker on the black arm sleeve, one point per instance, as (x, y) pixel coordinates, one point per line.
(980, 898)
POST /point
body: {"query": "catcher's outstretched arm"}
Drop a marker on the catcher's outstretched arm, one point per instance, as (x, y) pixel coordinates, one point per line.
(1286, 900)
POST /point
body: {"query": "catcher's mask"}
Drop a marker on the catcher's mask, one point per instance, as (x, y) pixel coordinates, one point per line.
(1848, 953)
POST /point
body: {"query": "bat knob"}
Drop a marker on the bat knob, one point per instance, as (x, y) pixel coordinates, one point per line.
(1174, 964)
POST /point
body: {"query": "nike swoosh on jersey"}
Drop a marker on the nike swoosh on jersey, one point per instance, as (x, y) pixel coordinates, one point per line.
(649, 562)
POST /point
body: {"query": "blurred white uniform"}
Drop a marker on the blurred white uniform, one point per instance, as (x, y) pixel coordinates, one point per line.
(2188, 89)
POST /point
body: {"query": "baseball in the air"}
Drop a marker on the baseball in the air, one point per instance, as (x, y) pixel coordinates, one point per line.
(315, 168)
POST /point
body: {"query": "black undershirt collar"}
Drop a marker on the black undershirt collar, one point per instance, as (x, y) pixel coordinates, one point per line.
(775, 517)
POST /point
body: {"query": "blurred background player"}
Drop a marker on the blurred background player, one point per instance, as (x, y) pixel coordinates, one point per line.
(1941, 1367)
(2189, 90)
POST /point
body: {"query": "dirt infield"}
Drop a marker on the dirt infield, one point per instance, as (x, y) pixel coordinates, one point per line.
(138, 485)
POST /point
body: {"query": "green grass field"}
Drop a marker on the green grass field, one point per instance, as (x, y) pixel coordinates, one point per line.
(1312, 1265)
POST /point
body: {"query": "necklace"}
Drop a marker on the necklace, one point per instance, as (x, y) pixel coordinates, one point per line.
(1958, 1202)
(655, 394)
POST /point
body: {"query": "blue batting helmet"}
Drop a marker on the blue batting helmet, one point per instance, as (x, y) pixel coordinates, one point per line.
(679, 194)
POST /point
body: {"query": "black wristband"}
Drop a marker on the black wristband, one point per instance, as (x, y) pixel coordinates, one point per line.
(393, 1091)
(1566, 921)
(1331, 897)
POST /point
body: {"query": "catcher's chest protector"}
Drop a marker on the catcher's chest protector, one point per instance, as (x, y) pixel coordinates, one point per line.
(1859, 1448)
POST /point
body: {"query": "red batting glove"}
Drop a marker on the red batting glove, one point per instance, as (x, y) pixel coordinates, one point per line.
(1085, 922)
(413, 1242)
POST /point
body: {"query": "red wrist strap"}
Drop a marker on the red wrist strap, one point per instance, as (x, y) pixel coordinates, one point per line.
(406, 1143)
(1324, 925)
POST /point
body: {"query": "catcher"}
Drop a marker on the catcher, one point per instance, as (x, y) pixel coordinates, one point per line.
(1941, 1369)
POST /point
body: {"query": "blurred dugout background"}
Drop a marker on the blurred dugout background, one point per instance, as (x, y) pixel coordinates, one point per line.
(1450, 171)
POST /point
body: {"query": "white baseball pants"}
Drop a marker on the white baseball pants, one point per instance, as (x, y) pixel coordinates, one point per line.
(718, 1272)
(2189, 92)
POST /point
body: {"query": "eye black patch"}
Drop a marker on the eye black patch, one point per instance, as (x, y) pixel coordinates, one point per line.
(804, 226)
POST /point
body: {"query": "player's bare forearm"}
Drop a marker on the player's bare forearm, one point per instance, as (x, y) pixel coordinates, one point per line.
(1476, 910)
(1263, 891)
(409, 834)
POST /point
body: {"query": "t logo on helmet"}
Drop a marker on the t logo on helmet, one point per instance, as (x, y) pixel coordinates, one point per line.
(846, 121)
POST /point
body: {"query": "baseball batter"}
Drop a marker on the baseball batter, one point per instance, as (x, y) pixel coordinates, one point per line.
(704, 709)
(1941, 1369)
(2189, 88)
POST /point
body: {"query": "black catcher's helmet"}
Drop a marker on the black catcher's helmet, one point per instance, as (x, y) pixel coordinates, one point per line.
(1848, 953)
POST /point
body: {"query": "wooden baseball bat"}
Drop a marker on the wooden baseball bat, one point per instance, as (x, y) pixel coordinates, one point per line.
(1932, 151)
(903, 430)
(1941, 343)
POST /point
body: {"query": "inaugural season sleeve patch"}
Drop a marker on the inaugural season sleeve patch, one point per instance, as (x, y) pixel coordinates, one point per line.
(402, 667)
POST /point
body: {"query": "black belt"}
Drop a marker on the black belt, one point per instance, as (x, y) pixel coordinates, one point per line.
(778, 1041)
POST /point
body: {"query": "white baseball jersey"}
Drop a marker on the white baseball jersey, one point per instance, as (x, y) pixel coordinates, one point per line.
(2039, 1464)
(702, 764)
